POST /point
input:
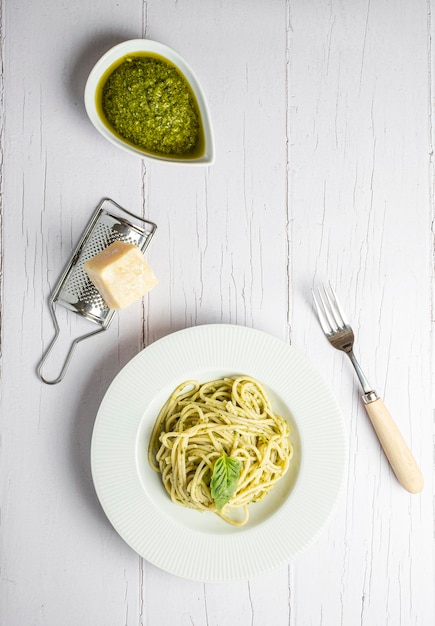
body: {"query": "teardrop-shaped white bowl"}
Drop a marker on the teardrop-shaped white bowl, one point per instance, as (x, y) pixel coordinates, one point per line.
(141, 46)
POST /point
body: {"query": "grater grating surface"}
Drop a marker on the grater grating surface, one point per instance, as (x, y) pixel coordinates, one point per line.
(74, 291)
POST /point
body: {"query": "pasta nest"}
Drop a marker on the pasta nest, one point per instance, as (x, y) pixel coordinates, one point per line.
(201, 422)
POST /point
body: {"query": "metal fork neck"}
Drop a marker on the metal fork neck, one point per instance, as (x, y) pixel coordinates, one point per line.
(368, 390)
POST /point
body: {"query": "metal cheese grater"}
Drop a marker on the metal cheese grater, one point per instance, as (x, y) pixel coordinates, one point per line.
(74, 291)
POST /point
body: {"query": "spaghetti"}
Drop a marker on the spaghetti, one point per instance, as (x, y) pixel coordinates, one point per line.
(221, 424)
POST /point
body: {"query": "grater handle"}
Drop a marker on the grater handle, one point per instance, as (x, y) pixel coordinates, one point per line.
(70, 352)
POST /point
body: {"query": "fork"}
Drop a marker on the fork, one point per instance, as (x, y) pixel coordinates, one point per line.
(340, 334)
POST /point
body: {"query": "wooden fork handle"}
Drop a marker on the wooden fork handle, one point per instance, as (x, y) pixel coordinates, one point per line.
(396, 449)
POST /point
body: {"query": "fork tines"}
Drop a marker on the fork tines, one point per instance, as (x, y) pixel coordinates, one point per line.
(329, 310)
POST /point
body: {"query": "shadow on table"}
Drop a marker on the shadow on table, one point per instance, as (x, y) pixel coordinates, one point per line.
(86, 58)
(82, 426)
(88, 403)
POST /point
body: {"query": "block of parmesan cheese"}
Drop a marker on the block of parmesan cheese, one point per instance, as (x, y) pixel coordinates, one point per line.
(121, 274)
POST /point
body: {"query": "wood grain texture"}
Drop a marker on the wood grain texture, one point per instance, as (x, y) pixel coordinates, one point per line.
(395, 447)
(323, 120)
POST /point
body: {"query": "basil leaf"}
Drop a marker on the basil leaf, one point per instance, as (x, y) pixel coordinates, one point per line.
(223, 484)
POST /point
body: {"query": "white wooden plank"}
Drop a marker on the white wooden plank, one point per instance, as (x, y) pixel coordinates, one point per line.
(225, 228)
(359, 186)
(61, 559)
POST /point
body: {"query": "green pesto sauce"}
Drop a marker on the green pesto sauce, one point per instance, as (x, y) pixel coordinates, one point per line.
(148, 103)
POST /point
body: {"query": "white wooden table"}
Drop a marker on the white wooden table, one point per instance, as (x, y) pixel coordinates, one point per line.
(323, 120)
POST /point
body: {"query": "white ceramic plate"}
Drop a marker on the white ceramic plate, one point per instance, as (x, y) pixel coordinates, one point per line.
(154, 47)
(201, 546)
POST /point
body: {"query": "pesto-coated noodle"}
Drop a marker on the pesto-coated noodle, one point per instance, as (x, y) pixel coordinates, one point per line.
(201, 422)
